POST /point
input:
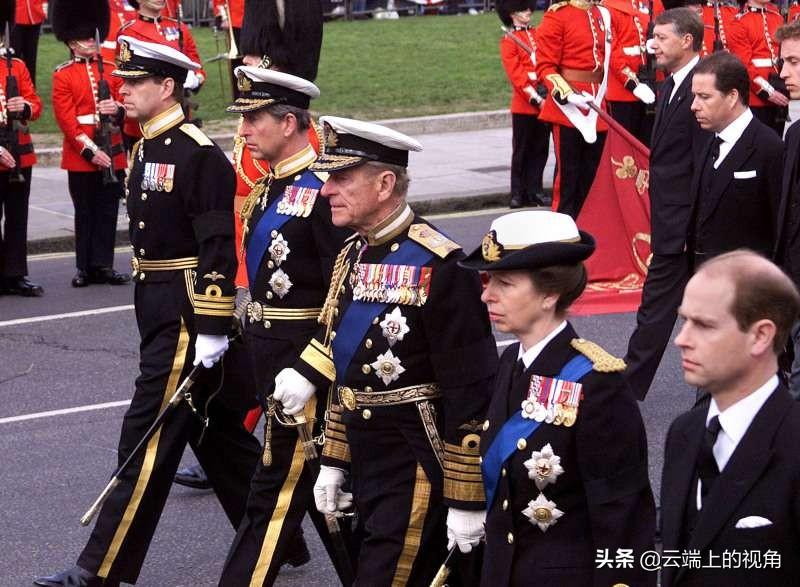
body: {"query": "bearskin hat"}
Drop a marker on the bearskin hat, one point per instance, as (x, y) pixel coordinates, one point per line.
(78, 19)
(7, 10)
(288, 32)
(506, 7)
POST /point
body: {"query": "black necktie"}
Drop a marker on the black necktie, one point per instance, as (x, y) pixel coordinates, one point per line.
(708, 170)
(666, 90)
(707, 469)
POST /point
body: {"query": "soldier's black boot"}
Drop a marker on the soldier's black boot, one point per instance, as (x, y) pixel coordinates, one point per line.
(74, 577)
(297, 553)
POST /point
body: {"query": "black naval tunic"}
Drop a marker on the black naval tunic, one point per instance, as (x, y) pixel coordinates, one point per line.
(603, 492)
(413, 364)
(180, 202)
(291, 244)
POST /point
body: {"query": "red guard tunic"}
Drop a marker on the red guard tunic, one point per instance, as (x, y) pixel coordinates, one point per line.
(75, 110)
(121, 13)
(28, 92)
(520, 67)
(570, 44)
(794, 11)
(166, 31)
(727, 23)
(629, 21)
(753, 41)
(30, 12)
(236, 8)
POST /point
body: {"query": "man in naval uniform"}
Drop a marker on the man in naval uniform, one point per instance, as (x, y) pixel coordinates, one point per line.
(290, 245)
(180, 198)
(403, 334)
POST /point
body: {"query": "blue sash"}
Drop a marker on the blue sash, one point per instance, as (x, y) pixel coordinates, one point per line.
(358, 317)
(272, 220)
(516, 427)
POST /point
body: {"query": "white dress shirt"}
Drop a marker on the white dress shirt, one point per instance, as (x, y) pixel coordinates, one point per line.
(734, 422)
(732, 133)
(681, 74)
(529, 356)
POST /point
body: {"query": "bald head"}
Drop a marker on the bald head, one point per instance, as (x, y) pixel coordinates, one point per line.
(761, 291)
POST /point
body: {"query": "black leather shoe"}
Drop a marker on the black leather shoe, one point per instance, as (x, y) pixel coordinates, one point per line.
(74, 577)
(20, 286)
(194, 477)
(297, 553)
(536, 199)
(516, 202)
(80, 279)
(109, 276)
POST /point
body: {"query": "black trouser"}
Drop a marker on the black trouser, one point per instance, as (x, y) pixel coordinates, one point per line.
(577, 163)
(14, 224)
(655, 319)
(635, 118)
(25, 42)
(118, 544)
(96, 208)
(397, 490)
(773, 116)
(281, 492)
(530, 144)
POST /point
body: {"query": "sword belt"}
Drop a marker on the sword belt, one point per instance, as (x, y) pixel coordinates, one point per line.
(356, 398)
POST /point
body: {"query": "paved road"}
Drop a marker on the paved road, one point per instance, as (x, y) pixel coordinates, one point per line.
(53, 467)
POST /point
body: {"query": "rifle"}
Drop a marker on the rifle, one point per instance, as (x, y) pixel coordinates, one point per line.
(188, 105)
(647, 70)
(718, 46)
(12, 121)
(107, 126)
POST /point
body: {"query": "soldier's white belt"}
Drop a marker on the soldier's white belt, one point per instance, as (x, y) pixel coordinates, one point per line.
(355, 398)
(140, 266)
(762, 62)
(86, 119)
(633, 51)
(109, 44)
(260, 312)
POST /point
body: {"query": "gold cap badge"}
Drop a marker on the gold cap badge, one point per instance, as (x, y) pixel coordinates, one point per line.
(243, 83)
(490, 248)
(124, 52)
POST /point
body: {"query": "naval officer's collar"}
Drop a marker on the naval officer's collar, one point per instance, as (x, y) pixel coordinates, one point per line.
(161, 123)
(295, 163)
(391, 226)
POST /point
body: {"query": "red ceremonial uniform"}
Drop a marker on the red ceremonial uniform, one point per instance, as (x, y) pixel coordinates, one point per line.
(794, 11)
(629, 21)
(121, 13)
(248, 172)
(236, 8)
(520, 68)
(570, 43)
(753, 41)
(727, 23)
(30, 12)
(28, 93)
(165, 31)
(75, 111)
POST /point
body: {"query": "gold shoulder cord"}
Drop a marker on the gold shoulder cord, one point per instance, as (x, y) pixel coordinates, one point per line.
(260, 189)
(341, 268)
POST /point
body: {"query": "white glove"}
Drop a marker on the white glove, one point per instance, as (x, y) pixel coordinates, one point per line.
(328, 494)
(580, 100)
(644, 93)
(292, 390)
(192, 81)
(648, 46)
(465, 528)
(209, 348)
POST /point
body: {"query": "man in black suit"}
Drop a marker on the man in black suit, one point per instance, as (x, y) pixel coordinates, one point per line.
(787, 243)
(730, 481)
(737, 181)
(677, 39)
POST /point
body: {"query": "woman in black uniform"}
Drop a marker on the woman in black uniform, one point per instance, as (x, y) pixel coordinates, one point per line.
(564, 448)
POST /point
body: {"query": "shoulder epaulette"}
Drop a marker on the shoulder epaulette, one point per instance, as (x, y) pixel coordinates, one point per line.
(198, 135)
(432, 239)
(171, 19)
(61, 66)
(602, 360)
(556, 6)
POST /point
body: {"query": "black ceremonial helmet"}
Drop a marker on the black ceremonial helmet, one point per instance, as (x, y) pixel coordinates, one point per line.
(78, 19)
